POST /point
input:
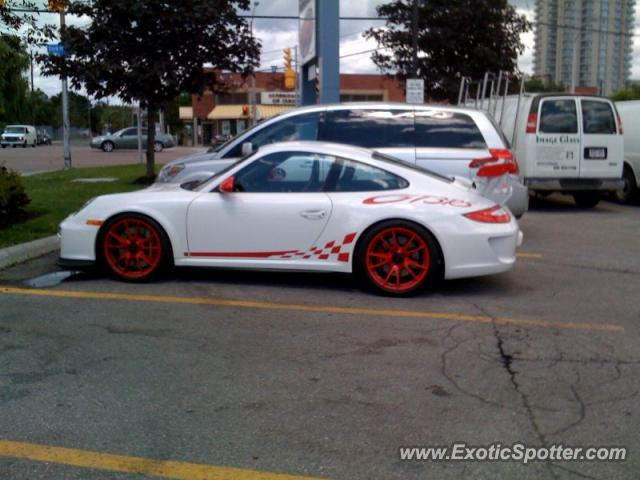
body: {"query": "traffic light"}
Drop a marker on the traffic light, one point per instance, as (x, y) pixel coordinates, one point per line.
(245, 110)
(2, 3)
(57, 6)
(287, 59)
(289, 73)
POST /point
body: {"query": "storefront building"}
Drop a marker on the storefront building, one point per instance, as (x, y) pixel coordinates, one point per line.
(216, 116)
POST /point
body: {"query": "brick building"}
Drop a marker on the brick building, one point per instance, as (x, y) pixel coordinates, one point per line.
(230, 113)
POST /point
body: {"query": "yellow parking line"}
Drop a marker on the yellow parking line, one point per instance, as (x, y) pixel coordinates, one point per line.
(529, 255)
(377, 312)
(135, 465)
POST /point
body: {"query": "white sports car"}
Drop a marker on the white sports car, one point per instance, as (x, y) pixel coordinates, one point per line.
(303, 206)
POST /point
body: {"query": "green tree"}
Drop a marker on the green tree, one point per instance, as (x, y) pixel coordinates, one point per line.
(26, 24)
(631, 93)
(14, 61)
(150, 51)
(453, 38)
(539, 85)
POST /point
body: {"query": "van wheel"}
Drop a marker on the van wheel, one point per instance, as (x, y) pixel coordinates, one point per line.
(629, 192)
(24, 145)
(586, 199)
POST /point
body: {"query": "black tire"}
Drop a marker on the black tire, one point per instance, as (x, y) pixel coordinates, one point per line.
(24, 145)
(107, 146)
(158, 147)
(34, 144)
(629, 193)
(430, 271)
(4, 146)
(105, 247)
(586, 199)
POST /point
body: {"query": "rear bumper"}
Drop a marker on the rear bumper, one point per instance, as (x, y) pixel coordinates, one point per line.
(574, 184)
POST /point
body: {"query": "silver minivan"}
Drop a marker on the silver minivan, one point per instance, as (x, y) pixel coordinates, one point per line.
(450, 141)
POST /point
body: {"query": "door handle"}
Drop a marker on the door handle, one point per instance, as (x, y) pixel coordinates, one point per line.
(313, 214)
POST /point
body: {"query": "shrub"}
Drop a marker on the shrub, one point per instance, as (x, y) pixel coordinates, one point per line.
(13, 198)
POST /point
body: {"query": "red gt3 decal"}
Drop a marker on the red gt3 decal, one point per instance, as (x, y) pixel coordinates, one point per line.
(321, 253)
(425, 199)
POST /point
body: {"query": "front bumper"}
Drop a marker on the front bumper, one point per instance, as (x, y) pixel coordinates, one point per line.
(12, 141)
(77, 241)
(574, 184)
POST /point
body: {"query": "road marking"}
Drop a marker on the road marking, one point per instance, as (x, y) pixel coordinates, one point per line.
(377, 312)
(529, 255)
(135, 465)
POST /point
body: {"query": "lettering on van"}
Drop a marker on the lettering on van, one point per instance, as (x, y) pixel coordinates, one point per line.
(561, 140)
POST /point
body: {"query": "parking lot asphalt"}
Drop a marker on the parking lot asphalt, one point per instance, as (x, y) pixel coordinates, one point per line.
(243, 375)
(51, 157)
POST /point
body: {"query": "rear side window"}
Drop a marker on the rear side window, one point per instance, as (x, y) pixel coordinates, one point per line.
(559, 116)
(597, 118)
(349, 176)
(369, 128)
(440, 129)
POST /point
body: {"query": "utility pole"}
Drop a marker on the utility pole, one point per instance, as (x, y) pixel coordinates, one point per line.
(414, 35)
(298, 71)
(139, 124)
(65, 108)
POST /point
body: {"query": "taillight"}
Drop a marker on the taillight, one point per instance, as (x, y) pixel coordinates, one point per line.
(620, 129)
(532, 123)
(499, 163)
(495, 214)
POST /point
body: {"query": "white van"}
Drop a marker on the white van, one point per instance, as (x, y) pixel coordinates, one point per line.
(565, 143)
(630, 114)
(19, 135)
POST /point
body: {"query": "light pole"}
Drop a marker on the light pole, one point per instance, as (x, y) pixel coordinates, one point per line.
(65, 106)
(254, 107)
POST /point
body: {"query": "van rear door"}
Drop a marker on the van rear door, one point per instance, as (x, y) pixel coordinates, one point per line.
(602, 146)
(557, 145)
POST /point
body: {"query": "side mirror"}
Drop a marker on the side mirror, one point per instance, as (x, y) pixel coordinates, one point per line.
(247, 148)
(228, 185)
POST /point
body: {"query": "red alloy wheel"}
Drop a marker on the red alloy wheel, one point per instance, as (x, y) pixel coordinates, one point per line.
(132, 248)
(397, 259)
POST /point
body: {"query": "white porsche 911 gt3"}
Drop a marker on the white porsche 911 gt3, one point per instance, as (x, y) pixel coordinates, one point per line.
(303, 206)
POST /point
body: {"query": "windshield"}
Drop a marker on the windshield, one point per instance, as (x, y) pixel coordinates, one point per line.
(396, 161)
(14, 130)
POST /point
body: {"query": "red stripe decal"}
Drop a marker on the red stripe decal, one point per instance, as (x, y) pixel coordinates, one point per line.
(240, 254)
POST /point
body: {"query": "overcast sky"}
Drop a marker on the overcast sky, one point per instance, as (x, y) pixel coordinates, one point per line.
(278, 34)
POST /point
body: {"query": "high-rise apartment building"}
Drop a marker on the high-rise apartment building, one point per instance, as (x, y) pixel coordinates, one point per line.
(586, 43)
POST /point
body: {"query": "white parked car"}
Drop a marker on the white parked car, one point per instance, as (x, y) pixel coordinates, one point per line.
(565, 143)
(447, 140)
(19, 135)
(630, 114)
(309, 206)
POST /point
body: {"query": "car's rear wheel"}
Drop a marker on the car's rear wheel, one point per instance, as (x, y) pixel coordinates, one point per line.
(158, 146)
(586, 199)
(398, 258)
(107, 146)
(133, 247)
(629, 192)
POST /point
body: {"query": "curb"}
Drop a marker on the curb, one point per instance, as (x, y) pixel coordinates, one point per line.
(26, 251)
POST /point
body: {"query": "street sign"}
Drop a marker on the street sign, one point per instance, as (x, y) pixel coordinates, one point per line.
(415, 90)
(56, 49)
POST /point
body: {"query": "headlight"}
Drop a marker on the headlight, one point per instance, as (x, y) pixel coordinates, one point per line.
(169, 172)
(20, 137)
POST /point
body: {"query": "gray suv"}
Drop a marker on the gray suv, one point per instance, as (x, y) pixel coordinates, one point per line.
(448, 140)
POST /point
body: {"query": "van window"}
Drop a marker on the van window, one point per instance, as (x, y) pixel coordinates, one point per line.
(597, 118)
(298, 127)
(369, 128)
(559, 116)
(441, 129)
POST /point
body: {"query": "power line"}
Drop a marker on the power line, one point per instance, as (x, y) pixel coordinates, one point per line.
(587, 29)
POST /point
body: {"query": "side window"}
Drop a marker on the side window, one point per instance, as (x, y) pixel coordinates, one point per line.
(349, 176)
(597, 118)
(299, 127)
(559, 116)
(442, 129)
(369, 128)
(130, 132)
(284, 172)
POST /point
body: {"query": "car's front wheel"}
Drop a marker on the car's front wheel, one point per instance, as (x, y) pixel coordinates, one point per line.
(107, 146)
(398, 258)
(133, 247)
(158, 146)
